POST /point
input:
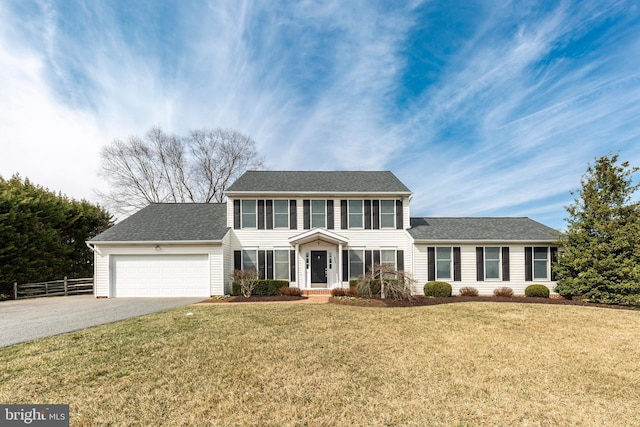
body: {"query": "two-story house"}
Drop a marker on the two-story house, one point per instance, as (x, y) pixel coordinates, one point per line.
(317, 230)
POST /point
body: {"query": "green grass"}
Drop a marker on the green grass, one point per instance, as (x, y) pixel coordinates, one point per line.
(304, 364)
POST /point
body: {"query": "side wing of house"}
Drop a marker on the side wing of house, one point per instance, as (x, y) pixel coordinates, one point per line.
(484, 253)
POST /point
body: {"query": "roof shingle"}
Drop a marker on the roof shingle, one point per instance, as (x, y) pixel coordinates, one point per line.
(480, 229)
(170, 222)
(319, 181)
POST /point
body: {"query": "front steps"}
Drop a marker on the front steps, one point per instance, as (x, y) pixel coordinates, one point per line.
(316, 292)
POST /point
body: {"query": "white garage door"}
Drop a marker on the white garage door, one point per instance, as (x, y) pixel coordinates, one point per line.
(160, 276)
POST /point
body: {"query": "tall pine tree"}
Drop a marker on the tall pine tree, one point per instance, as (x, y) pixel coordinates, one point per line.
(601, 257)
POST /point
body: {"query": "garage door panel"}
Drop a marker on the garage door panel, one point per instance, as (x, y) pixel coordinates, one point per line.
(160, 275)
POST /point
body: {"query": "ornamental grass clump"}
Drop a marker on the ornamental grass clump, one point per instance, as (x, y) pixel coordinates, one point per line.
(437, 289)
(536, 291)
(468, 291)
(503, 291)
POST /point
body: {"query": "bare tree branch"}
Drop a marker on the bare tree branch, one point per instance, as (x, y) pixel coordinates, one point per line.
(163, 167)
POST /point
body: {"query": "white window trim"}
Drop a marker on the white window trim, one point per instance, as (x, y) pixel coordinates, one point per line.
(311, 212)
(288, 203)
(255, 251)
(547, 260)
(395, 256)
(242, 214)
(350, 227)
(450, 263)
(287, 250)
(393, 202)
(361, 250)
(492, 279)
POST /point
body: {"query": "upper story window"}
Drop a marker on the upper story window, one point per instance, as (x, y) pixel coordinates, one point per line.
(280, 214)
(318, 213)
(249, 214)
(371, 214)
(387, 214)
(264, 214)
(356, 214)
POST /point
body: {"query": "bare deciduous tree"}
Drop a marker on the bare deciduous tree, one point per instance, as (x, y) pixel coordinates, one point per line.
(162, 167)
(247, 279)
(394, 284)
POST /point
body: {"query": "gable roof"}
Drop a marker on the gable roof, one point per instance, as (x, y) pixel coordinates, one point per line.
(164, 222)
(318, 181)
(478, 229)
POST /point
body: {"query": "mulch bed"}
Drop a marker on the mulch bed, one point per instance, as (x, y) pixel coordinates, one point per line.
(256, 298)
(417, 301)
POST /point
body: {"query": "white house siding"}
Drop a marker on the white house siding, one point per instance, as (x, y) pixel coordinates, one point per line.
(468, 267)
(104, 252)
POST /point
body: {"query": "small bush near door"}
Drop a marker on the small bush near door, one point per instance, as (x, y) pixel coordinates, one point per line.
(290, 291)
(539, 291)
(437, 289)
(263, 287)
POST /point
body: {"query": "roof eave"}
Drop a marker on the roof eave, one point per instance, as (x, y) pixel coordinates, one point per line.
(154, 242)
(310, 193)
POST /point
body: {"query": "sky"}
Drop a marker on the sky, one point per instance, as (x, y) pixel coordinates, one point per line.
(482, 108)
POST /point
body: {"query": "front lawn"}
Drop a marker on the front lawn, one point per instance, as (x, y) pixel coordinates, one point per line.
(304, 364)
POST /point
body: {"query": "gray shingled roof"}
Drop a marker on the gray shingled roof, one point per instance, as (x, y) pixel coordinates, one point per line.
(480, 229)
(170, 222)
(317, 181)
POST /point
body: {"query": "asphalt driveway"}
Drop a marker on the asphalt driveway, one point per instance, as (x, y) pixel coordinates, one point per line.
(30, 319)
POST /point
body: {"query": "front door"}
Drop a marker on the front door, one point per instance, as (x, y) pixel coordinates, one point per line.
(319, 267)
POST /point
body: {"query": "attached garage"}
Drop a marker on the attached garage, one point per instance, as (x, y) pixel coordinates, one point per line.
(160, 276)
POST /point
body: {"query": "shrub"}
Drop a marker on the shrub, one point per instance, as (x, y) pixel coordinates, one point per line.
(365, 287)
(539, 291)
(290, 291)
(338, 292)
(437, 289)
(504, 291)
(468, 291)
(263, 287)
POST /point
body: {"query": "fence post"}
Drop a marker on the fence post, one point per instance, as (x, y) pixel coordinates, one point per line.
(65, 286)
(15, 290)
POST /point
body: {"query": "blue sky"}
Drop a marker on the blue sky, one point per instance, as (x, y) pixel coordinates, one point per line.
(482, 108)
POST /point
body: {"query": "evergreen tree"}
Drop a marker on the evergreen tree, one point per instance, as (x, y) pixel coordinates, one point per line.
(43, 234)
(601, 256)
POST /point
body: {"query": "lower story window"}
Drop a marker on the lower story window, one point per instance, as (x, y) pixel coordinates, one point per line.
(281, 261)
(249, 260)
(443, 263)
(356, 263)
(492, 263)
(540, 263)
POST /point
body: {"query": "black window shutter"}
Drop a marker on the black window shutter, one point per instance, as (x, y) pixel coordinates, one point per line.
(480, 264)
(306, 205)
(400, 260)
(506, 269)
(368, 261)
(260, 214)
(262, 270)
(367, 214)
(457, 268)
(528, 264)
(399, 215)
(376, 257)
(236, 214)
(237, 260)
(293, 219)
(269, 264)
(330, 214)
(343, 215)
(269, 216)
(292, 266)
(345, 265)
(431, 262)
(554, 260)
(376, 214)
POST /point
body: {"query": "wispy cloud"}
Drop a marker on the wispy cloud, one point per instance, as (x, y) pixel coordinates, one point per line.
(496, 114)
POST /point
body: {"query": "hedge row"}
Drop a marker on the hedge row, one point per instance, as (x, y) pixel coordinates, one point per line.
(263, 287)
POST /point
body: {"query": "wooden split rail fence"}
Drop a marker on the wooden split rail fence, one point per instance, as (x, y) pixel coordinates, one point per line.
(53, 288)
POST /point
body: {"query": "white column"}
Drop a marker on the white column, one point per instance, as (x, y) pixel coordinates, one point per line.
(298, 282)
(340, 264)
